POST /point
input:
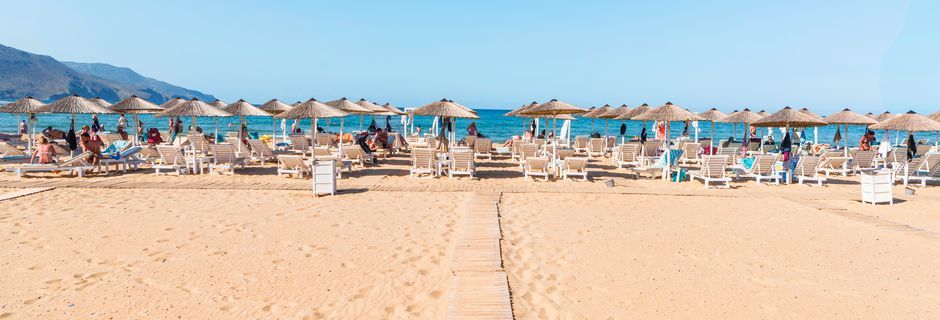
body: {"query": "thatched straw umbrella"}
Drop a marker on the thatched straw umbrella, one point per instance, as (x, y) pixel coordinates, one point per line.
(600, 113)
(887, 115)
(349, 107)
(313, 110)
(392, 109)
(135, 105)
(712, 115)
(274, 107)
(73, 105)
(815, 129)
(668, 113)
(871, 116)
(615, 114)
(28, 107)
(193, 108)
(629, 114)
(519, 113)
(847, 117)
(100, 102)
(744, 116)
(242, 109)
(172, 103)
(371, 107)
(910, 122)
(218, 104)
(446, 109)
(554, 108)
(789, 118)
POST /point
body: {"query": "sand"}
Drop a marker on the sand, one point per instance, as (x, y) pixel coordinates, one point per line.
(255, 245)
(222, 254)
(682, 257)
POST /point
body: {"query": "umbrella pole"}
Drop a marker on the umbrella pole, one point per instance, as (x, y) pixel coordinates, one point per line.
(845, 141)
(360, 122)
(711, 144)
(340, 142)
(668, 153)
(592, 125)
(790, 158)
(313, 132)
(273, 133)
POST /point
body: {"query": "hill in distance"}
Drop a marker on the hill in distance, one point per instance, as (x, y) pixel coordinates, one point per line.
(45, 78)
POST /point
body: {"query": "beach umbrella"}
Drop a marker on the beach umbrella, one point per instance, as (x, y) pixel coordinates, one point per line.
(600, 113)
(100, 102)
(218, 104)
(887, 115)
(392, 109)
(73, 105)
(172, 103)
(28, 107)
(372, 107)
(744, 116)
(668, 113)
(519, 113)
(135, 105)
(872, 116)
(242, 109)
(847, 117)
(554, 108)
(815, 129)
(629, 114)
(193, 108)
(349, 107)
(789, 118)
(274, 107)
(910, 122)
(313, 110)
(590, 114)
(615, 114)
(712, 115)
(446, 109)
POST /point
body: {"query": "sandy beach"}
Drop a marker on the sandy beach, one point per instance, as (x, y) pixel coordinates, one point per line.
(257, 246)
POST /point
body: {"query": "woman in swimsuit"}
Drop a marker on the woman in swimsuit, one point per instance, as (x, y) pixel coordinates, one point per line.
(44, 151)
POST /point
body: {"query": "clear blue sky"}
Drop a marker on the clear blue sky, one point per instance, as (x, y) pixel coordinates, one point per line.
(825, 55)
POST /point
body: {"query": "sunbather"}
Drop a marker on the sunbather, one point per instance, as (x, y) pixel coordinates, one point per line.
(93, 146)
(45, 151)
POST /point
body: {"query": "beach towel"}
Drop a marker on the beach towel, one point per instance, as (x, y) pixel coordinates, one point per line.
(837, 138)
(70, 138)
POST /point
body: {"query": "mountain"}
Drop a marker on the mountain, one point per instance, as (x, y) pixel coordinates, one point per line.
(127, 76)
(45, 78)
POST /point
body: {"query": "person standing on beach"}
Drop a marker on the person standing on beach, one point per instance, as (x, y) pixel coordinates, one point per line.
(94, 122)
(122, 123)
(23, 128)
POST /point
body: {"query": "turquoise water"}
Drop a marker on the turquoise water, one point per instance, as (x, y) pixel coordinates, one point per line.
(492, 123)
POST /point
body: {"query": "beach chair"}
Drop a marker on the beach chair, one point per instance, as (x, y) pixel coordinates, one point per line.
(691, 153)
(626, 155)
(581, 144)
(657, 167)
(732, 155)
(172, 158)
(763, 169)
(516, 149)
(596, 147)
(807, 168)
(423, 161)
(299, 144)
(863, 161)
(535, 166)
(575, 166)
(261, 152)
(224, 159)
(609, 144)
(462, 162)
(75, 165)
(432, 142)
(928, 169)
(292, 165)
(528, 150)
(324, 140)
(562, 154)
(10, 153)
(198, 143)
(355, 154)
(713, 171)
(650, 151)
(923, 149)
(483, 148)
(833, 162)
(126, 158)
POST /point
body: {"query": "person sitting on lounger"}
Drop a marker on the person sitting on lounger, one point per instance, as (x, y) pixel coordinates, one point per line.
(93, 146)
(44, 151)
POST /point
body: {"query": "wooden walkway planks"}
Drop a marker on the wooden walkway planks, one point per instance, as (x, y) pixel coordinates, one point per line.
(22, 193)
(480, 289)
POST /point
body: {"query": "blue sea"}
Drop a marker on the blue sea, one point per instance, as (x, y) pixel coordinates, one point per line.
(492, 124)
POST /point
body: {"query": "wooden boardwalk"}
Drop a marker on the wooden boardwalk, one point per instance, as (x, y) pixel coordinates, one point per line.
(480, 289)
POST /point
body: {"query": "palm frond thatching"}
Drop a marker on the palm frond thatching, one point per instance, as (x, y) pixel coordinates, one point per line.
(787, 117)
(25, 105)
(668, 112)
(135, 104)
(553, 107)
(274, 106)
(100, 102)
(172, 103)
(243, 108)
(910, 121)
(643, 108)
(348, 106)
(311, 109)
(743, 116)
(445, 108)
(811, 114)
(193, 108)
(712, 114)
(218, 104)
(847, 116)
(73, 104)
